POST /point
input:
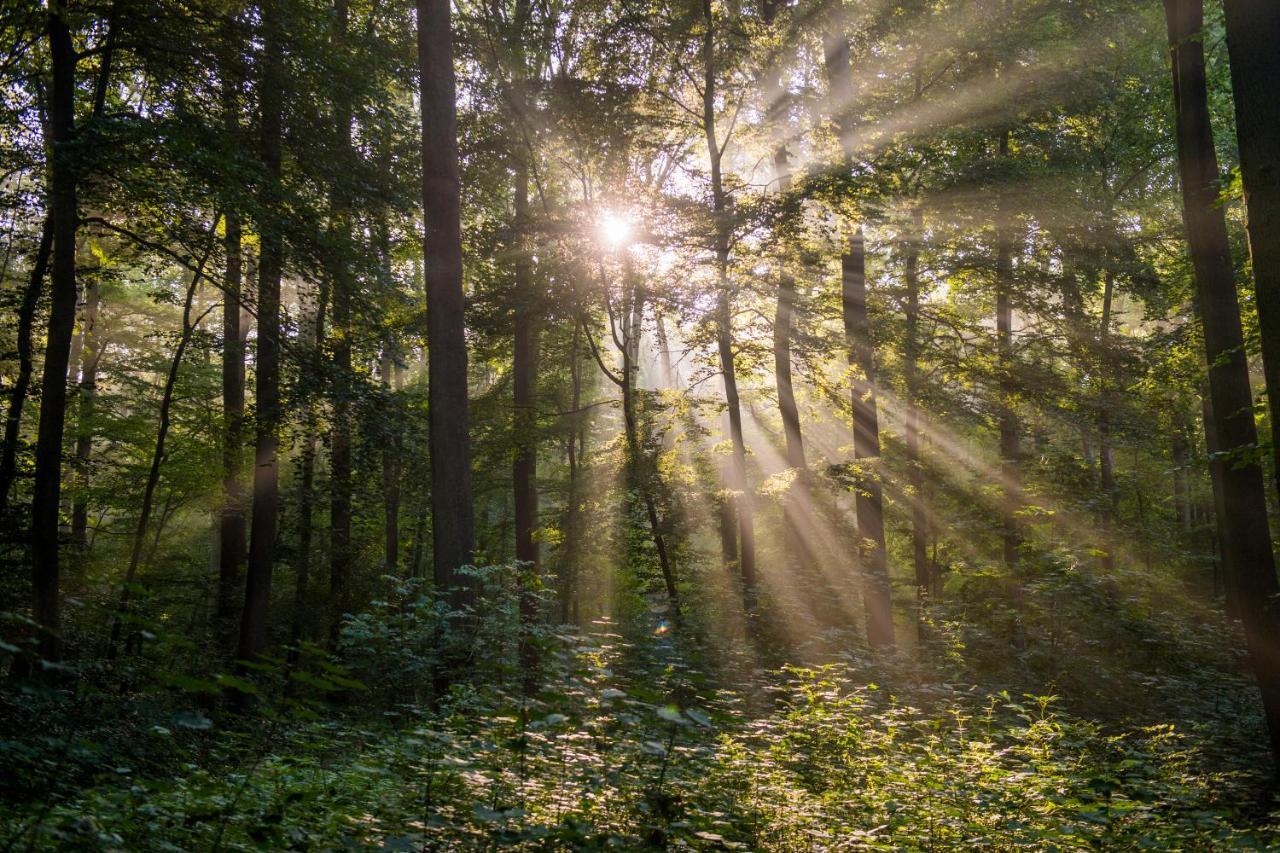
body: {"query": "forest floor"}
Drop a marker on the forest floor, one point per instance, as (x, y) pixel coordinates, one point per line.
(627, 746)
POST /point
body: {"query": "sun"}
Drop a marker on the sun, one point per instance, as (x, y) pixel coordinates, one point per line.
(614, 229)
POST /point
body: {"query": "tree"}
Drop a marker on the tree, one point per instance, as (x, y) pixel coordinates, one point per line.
(64, 216)
(1249, 564)
(266, 471)
(868, 499)
(1253, 30)
(452, 521)
(738, 482)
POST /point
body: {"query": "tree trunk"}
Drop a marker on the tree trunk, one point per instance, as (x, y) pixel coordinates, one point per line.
(1181, 454)
(640, 472)
(524, 463)
(452, 520)
(742, 501)
(301, 622)
(266, 473)
(62, 205)
(569, 569)
(1217, 484)
(776, 103)
(795, 503)
(915, 473)
(86, 398)
(232, 530)
(1010, 451)
(18, 396)
(869, 501)
(1253, 33)
(340, 463)
(524, 376)
(391, 470)
(1249, 563)
(1106, 462)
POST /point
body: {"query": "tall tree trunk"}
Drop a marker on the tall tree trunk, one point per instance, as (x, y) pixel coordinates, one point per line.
(390, 376)
(1181, 454)
(1219, 502)
(782, 327)
(915, 471)
(1253, 33)
(86, 400)
(738, 482)
(1010, 429)
(301, 621)
(232, 529)
(62, 317)
(572, 514)
(18, 396)
(524, 463)
(777, 101)
(1106, 461)
(524, 376)
(795, 503)
(452, 519)
(1249, 563)
(670, 374)
(869, 501)
(340, 274)
(305, 549)
(266, 472)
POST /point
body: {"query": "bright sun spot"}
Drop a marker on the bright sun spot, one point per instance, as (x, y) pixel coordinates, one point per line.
(614, 229)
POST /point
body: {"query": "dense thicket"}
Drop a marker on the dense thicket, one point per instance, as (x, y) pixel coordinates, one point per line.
(571, 423)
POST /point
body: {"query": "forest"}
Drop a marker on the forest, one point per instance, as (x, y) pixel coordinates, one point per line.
(777, 425)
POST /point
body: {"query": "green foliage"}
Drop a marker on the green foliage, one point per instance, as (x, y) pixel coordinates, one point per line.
(609, 757)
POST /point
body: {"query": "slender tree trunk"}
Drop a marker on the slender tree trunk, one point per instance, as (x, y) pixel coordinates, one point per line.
(640, 472)
(266, 473)
(877, 599)
(795, 503)
(158, 454)
(777, 101)
(1249, 565)
(1106, 461)
(869, 502)
(1181, 454)
(524, 463)
(391, 469)
(1222, 580)
(232, 529)
(301, 622)
(915, 471)
(18, 396)
(644, 471)
(569, 570)
(63, 214)
(298, 624)
(452, 519)
(670, 376)
(782, 325)
(524, 371)
(1253, 33)
(1010, 429)
(742, 502)
(340, 463)
(86, 400)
